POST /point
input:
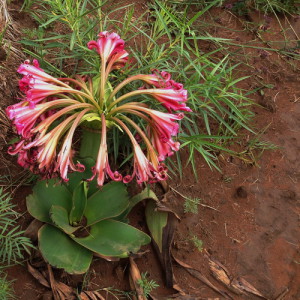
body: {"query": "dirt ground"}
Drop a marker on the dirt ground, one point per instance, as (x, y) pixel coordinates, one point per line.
(249, 215)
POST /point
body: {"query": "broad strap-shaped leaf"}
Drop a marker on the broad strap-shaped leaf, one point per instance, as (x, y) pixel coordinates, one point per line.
(62, 252)
(76, 177)
(45, 194)
(156, 222)
(145, 194)
(113, 238)
(60, 218)
(110, 201)
(79, 200)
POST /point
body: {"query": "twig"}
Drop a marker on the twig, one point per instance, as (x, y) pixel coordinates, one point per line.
(207, 206)
(185, 197)
(283, 294)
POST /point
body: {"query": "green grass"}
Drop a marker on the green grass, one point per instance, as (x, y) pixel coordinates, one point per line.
(267, 6)
(198, 244)
(255, 147)
(191, 205)
(6, 288)
(12, 241)
(148, 285)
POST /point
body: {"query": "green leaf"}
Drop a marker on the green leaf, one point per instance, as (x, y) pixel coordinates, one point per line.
(156, 221)
(60, 218)
(45, 194)
(79, 200)
(62, 252)
(113, 238)
(145, 194)
(110, 201)
(76, 177)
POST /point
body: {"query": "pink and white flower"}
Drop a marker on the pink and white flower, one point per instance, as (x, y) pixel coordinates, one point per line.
(163, 148)
(108, 45)
(34, 71)
(66, 154)
(39, 90)
(172, 99)
(102, 168)
(164, 122)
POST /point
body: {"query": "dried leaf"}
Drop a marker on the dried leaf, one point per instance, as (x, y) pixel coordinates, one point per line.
(135, 275)
(201, 277)
(32, 230)
(177, 288)
(238, 285)
(84, 296)
(184, 297)
(100, 297)
(219, 273)
(91, 295)
(166, 209)
(60, 290)
(38, 275)
(243, 285)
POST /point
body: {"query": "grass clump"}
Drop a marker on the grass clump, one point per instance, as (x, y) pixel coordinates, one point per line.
(12, 241)
(280, 6)
(243, 7)
(191, 205)
(6, 288)
(197, 243)
(147, 285)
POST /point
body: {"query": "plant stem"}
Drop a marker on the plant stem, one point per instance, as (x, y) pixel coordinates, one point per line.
(102, 83)
(90, 143)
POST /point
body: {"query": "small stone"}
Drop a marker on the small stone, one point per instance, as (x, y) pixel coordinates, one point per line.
(241, 192)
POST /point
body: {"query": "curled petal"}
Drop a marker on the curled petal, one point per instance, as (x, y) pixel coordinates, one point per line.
(127, 178)
(164, 148)
(16, 148)
(26, 158)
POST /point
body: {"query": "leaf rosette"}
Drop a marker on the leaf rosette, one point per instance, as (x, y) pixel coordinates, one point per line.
(81, 221)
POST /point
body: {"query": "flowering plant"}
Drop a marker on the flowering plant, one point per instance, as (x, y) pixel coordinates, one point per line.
(54, 108)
